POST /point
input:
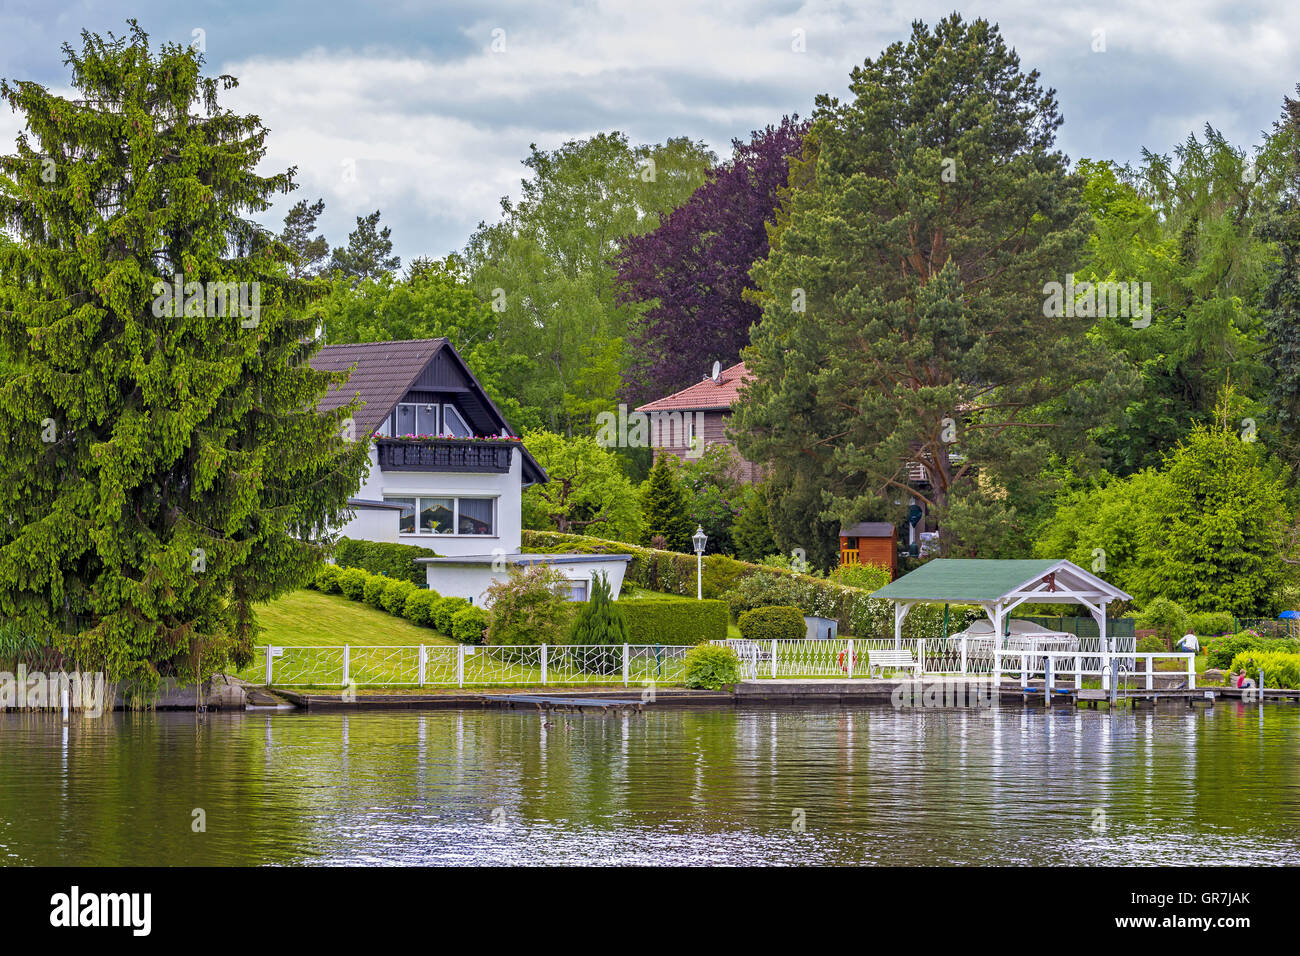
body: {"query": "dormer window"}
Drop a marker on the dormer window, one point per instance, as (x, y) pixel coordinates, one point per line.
(420, 418)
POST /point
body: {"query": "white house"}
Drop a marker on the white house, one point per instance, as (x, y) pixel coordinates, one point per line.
(447, 472)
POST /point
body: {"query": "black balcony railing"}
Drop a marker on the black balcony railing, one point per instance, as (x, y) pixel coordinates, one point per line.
(444, 454)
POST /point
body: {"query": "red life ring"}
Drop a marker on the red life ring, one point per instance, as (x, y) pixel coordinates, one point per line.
(855, 661)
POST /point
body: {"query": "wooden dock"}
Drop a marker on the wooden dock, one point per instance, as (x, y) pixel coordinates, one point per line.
(579, 704)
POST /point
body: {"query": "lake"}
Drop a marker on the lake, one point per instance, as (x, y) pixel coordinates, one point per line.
(708, 787)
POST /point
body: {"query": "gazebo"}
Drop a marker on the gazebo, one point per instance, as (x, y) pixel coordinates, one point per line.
(1000, 586)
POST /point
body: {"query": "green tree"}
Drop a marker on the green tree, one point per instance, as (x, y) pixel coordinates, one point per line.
(1282, 298)
(165, 468)
(433, 301)
(547, 265)
(712, 494)
(664, 507)
(1188, 228)
(1208, 529)
(600, 620)
(752, 534)
(369, 252)
(587, 492)
(309, 249)
(904, 321)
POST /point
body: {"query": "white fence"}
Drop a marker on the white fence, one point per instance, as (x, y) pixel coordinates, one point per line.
(628, 664)
(462, 665)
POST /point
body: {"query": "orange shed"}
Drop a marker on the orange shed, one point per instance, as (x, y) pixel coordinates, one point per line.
(870, 542)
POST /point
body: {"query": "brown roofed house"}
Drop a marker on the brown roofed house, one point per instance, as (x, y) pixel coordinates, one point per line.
(686, 422)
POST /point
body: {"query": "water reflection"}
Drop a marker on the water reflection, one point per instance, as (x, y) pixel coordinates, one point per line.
(699, 787)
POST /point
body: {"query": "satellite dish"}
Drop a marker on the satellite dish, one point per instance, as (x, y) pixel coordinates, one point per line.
(717, 371)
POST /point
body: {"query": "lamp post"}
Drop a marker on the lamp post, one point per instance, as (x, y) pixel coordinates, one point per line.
(699, 539)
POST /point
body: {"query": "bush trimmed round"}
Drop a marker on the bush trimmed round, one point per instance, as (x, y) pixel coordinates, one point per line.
(374, 589)
(419, 605)
(352, 583)
(711, 667)
(468, 625)
(395, 596)
(327, 579)
(775, 623)
(444, 610)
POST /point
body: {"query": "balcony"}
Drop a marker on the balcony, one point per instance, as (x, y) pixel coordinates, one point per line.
(444, 454)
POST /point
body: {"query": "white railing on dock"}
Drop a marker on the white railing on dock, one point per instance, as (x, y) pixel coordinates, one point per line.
(443, 665)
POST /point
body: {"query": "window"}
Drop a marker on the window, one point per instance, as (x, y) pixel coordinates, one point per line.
(405, 521)
(453, 424)
(411, 418)
(577, 590)
(475, 516)
(416, 420)
(439, 515)
(436, 515)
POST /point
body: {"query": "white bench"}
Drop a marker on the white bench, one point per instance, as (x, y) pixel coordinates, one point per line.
(891, 660)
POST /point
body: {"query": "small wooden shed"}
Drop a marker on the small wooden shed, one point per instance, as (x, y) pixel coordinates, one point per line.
(870, 542)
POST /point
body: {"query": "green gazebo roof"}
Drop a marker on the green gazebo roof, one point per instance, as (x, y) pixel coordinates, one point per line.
(960, 580)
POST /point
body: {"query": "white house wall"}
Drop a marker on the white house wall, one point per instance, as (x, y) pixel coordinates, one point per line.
(472, 581)
(506, 488)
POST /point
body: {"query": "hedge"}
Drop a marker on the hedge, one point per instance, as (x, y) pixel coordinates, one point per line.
(327, 579)
(774, 623)
(674, 622)
(395, 561)
(395, 596)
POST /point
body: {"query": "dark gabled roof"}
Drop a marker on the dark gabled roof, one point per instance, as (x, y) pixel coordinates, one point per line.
(868, 529)
(383, 372)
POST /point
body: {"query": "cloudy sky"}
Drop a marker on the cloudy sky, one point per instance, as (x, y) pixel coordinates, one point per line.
(425, 109)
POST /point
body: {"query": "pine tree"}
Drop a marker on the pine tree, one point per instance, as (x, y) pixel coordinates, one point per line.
(369, 252)
(751, 535)
(299, 235)
(664, 505)
(165, 468)
(600, 620)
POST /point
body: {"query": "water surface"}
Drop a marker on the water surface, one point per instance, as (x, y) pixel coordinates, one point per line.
(709, 787)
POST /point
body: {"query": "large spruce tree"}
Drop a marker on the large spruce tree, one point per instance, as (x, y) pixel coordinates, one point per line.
(165, 468)
(1282, 298)
(903, 296)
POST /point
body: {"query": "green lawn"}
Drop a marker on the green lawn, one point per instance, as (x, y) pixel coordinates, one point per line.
(312, 619)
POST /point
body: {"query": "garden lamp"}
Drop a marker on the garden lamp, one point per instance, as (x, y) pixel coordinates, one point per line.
(699, 539)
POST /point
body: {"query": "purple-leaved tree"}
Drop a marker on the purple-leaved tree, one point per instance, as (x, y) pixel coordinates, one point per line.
(693, 269)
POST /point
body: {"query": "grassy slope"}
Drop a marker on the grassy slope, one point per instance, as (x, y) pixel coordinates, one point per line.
(312, 619)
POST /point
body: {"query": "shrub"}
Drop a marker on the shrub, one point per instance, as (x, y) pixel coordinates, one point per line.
(468, 625)
(674, 622)
(868, 577)
(1210, 623)
(1166, 617)
(444, 610)
(599, 620)
(352, 583)
(772, 624)
(395, 561)
(530, 607)
(327, 579)
(711, 667)
(396, 595)
(1151, 645)
(1280, 669)
(419, 607)
(374, 589)
(1220, 651)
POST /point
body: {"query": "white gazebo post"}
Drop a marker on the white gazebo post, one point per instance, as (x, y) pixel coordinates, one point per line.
(900, 611)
